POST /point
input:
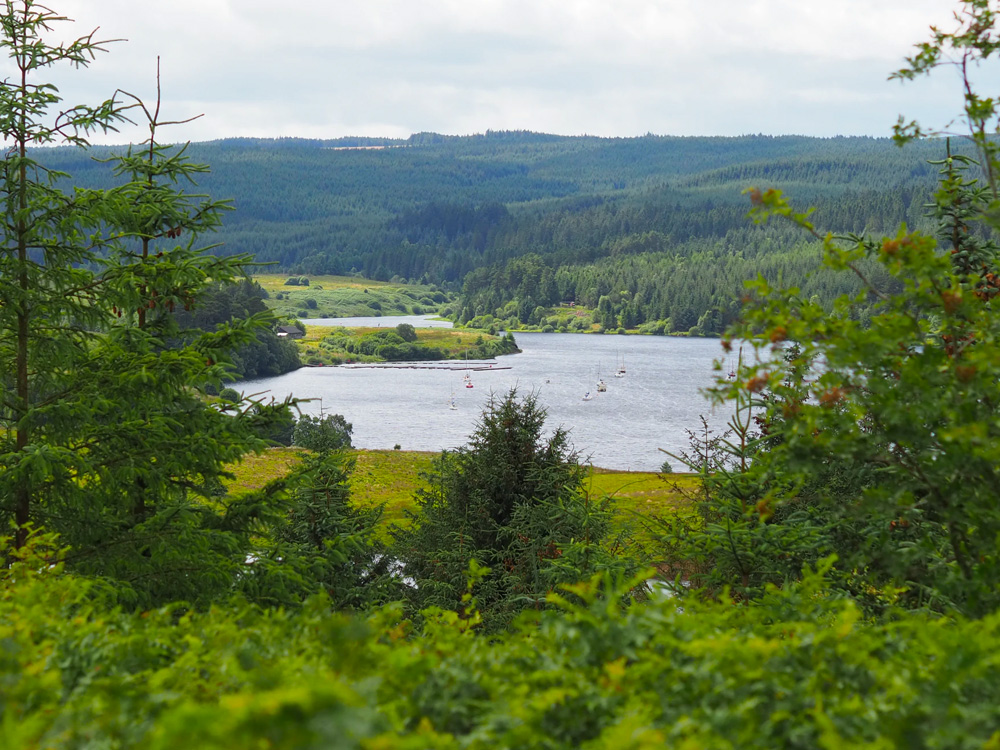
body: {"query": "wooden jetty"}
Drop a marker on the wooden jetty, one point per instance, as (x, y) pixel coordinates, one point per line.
(425, 366)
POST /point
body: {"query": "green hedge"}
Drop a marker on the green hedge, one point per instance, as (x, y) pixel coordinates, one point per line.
(799, 670)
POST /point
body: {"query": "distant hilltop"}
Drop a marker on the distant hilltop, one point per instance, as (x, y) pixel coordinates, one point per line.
(655, 223)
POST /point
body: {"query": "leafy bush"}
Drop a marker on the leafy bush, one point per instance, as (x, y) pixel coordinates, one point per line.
(230, 394)
(329, 433)
(596, 670)
(879, 439)
(406, 332)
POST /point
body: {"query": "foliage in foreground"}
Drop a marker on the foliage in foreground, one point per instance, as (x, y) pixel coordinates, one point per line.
(878, 442)
(797, 670)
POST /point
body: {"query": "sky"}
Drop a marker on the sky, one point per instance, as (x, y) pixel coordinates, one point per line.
(331, 68)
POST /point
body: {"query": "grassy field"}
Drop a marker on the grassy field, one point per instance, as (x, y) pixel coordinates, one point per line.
(256, 470)
(390, 478)
(324, 346)
(347, 296)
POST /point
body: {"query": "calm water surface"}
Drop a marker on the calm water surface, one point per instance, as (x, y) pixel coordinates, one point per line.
(622, 428)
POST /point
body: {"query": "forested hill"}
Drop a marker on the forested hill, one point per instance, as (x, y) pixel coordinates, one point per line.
(436, 207)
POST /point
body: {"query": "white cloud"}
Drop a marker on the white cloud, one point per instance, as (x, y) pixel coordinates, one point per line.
(324, 68)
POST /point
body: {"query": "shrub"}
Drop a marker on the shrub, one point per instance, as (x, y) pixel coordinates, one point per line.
(230, 394)
(406, 332)
(328, 433)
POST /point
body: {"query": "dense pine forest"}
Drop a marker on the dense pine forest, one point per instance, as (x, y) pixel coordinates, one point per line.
(826, 575)
(656, 225)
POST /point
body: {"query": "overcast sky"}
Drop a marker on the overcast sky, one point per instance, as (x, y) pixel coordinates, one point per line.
(330, 68)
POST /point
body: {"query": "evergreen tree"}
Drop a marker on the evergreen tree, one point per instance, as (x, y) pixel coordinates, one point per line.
(106, 438)
(50, 296)
(320, 542)
(512, 500)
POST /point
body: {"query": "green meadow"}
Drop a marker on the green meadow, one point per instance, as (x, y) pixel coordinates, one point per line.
(340, 345)
(391, 478)
(349, 296)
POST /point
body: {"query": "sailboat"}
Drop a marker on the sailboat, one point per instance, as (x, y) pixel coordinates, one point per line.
(601, 385)
(452, 405)
(587, 396)
(620, 372)
(467, 378)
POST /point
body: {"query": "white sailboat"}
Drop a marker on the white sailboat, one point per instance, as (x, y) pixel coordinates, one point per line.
(467, 378)
(451, 404)
(587, 396)
(620, 372)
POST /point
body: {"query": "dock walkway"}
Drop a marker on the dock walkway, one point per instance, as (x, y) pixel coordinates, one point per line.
(478, 367)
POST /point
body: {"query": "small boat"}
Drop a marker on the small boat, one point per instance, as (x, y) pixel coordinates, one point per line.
(468, 383)
(452, 405)
(587, 396)
(620, 372)
(601, 386)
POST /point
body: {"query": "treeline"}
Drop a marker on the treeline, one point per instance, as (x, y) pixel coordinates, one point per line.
(435, 207)
(696, 287)
(656, 224)
(266, 355)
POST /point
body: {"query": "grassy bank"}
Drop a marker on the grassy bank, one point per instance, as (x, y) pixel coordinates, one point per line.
(334, 346)
(349, 296)
(390, 478)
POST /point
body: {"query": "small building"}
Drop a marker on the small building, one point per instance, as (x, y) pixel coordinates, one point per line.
(290, 332)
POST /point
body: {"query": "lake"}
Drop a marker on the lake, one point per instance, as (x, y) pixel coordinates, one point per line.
(623, 428)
